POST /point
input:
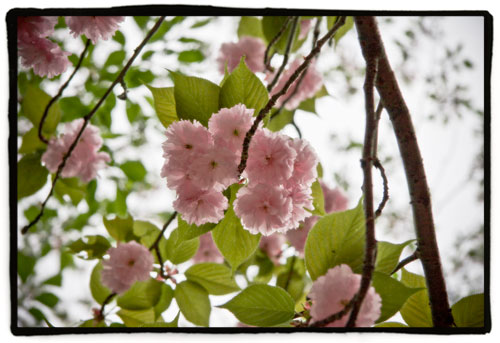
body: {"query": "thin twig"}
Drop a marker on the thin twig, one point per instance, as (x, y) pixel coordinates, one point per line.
(104, 303)
(377, 164)
(87, 119)
(294, 124)
(267, 60)
(413, 257)
(289, 44)
(275, 97)
(156, 246)
(58, 95)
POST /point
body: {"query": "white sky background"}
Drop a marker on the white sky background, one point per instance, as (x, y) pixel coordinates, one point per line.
(434, 139)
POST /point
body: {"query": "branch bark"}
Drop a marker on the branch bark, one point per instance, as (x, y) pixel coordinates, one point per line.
(399, 114)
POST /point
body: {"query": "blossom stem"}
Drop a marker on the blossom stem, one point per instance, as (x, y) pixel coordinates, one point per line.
(413, 257)
(286, 55)
(104, 303)
(377, 164)
(59, 93)
(267, 60)
(388, 88)
(87, 118)
(307, 60)
(156, 246)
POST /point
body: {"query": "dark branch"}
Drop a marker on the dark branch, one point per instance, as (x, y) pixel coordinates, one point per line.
(87, 119)
(267, 60)
(58, 95)
(104, 303)
(155, 246)
(286, 55)
(413, 257)
(385, 198)
(294, 124)
(275, 97)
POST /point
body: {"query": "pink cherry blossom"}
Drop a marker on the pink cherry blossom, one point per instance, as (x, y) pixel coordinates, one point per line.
(229, 127)
(217, 169)
(263, 208)
(207, 252)
(305, 26)
(270, 158)
(297, 237)
(45, 57)
(199, 206)
(301, 198)
(34, 27)
(186, 141)
(85, 160)
(94, 27)
(252, 48)
(127, 263)
(304, 166)
(309, 86)
(335, 200)
(332, 291)
(272, 244)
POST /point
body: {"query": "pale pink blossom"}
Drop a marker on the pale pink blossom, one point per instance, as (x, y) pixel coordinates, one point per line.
(127, 263)
(270, 158)
(305, 26)
(252, 48)
(298, 236)
(301, 198)
(34, 27)
(304, 166)
(199, 206)
(207, 252)
(45, 57)
(308, 87)
(229, 127)
(335, 200)
(85, 160)
(263, 208)
(186, 140)
(331, 292)
(94, 27)
(217, 169)
(271, 245)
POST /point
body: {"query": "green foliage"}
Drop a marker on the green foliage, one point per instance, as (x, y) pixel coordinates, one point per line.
(120, 229)
(234, 242)
(73, 187)
(243, 87)
(33, 105)
(31, 176)
(136, 318)
(179, 250)
(136, 77)
(393, 293)
(201, 23)
(281, 120)
(187, 231)
(215, 278)
(115, 58)
(94, 246)
(272, 25)
(318, 199)
(165, 107)
(349, 24)
(469, 311)
(195, 98)
(292, 279)
(388, 256)
(251, 26)
(31, 142)
(166, 296)
(190, 56)
(416, 311)
(262, 305)
(98, 290)
(134, 170)
(119, 37)
(142, 295)
(337, 238)
(25, 265)
(147, 233)
(390, 325)
(193, 302)
(48, 299)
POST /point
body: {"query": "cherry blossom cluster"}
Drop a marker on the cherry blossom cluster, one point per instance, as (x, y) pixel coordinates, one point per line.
(331, 292)
(46, 57)
(85, 160)
(127, 263)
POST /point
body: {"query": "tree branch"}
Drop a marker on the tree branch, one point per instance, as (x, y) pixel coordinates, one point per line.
(87, 119)
(58, 95)
(155, 244)
(399, 114)
(409, 259)
(267, 60)
(275, 97)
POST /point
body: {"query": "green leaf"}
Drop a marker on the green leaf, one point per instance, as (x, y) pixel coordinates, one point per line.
(133, 318)
(25, 265)
(98, 290)
(142, 295)
(164, 105)
(187, 232)
(193, 302)
(134, 170)
(234, 242)
(190, 56)
(243, 87)
(166, 296)
(95, 246)
(91, 323)
(31, 142)
(173, 324)
(281, 120)
(120, 229)
(215, 278)
(179, 251)
(136, 77)
(55, 280)
(335, 239)
(201, 23)
(147, 233)
(469, 311)
(388, 256)
(119, 37)
(31, 176)
(250, 26)
(141, 21)
(348, 25)
(390, 325)
(393, 293)
(48, 299)
(291, 279)
(416, 311)
(271, 25)
(195, 98)
(318, 199)
(73, 187)
(33, 105)
(115, 58)
(308, 105)
(319, 168)
(262, 305)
